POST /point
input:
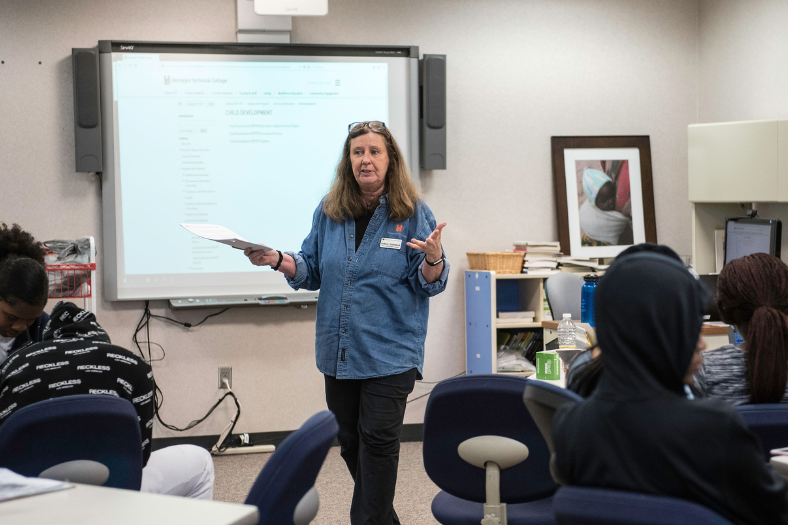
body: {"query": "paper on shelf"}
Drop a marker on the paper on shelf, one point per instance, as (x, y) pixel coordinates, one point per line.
(719, 250)
(215, 232)
(13, 486)
(583, 262)
(516, 315)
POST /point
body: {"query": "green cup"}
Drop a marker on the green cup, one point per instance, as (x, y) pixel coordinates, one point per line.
(548, 365)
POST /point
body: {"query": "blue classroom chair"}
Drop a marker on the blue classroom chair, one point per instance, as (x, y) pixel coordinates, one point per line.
(92, 439)
(542, 400)
(284, 492)
(460, 411)
(593, 506)
(768, 421)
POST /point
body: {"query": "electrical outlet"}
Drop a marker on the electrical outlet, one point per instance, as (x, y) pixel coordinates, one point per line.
(225, 372)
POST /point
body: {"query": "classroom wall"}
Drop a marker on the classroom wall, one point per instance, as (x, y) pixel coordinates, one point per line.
(742, 49)
(519, 72)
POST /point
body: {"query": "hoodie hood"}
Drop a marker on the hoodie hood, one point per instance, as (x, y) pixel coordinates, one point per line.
(68, 320)
(649, 312)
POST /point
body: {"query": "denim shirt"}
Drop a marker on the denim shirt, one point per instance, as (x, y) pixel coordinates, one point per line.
(373, 306)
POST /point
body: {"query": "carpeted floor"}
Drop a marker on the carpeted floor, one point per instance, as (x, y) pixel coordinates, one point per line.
(236, 474)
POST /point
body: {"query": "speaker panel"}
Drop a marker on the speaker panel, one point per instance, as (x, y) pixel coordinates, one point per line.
(87, 110)
(432, 126)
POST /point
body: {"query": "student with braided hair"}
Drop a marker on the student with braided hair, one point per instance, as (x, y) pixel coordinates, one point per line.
(24, 289)
(752, 295)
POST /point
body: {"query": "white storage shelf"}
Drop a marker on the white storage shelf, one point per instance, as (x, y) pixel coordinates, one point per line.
(481, 314)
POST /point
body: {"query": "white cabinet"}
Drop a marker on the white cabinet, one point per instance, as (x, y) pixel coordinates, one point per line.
(738, 161)
(730, 166)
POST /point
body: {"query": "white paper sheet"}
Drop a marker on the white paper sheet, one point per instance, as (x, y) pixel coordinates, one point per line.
(215, 232)
(13, 486)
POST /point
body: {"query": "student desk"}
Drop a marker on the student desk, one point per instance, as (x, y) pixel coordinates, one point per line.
(89, 505)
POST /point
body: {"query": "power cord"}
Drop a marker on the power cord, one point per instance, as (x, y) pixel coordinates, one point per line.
(158, 395)
(226, 440)
(432, 383)
(187, 325)
(441, 381)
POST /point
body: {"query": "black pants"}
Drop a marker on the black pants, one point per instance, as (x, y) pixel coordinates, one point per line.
(370, 414)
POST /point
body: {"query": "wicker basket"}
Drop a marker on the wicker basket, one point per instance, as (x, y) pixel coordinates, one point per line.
(499, 262)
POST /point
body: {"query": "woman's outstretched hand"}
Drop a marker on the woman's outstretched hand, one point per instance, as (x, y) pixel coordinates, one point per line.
(431, 246)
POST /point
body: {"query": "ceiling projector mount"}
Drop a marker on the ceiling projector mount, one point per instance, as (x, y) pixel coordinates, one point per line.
(270, 21)
(291, 7)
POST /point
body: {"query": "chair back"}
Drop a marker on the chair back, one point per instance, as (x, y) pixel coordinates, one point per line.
(542, 400)
(68, 436)
(563, 291)
(768, 421)
(589, 506)
(290, 473)
(480, 405)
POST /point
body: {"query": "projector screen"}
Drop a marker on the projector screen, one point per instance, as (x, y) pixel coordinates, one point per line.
(246, 136)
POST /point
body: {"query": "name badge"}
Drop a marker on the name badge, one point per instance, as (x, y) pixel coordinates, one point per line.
(394, 244)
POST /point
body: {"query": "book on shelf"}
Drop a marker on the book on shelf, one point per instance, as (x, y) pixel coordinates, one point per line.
(521, 340)
(540, 264)
(576, 269)
(555, 244)
(542, 256)
(516, 315)
(503, 338)
(534, 345)
(513, 322)
(547, 315)
(537, 246)
(583, 263)
(528, 343)
(538, 271)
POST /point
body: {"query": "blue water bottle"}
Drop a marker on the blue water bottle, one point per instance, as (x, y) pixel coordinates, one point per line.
(587, 299)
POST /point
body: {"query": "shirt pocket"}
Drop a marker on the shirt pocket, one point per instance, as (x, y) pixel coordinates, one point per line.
(390, 262)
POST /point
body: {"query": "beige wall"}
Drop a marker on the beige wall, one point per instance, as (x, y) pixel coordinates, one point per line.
(743, 51)
(519, 71)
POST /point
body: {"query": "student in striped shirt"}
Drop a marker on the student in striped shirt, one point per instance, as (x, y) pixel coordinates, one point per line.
(752, 295)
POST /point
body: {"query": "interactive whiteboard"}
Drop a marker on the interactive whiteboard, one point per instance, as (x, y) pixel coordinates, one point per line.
(243, 135)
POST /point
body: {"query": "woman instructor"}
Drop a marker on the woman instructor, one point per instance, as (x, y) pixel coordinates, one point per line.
(375, 254)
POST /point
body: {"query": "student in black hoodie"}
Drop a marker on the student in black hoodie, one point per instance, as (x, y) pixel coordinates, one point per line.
(585, 371)
(638, 431)
(76, 356)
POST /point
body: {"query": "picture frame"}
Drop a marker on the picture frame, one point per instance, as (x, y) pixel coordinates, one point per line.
(604, 194)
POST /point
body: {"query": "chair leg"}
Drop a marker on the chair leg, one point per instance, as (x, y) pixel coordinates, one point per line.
(494, 510)
(494, 514)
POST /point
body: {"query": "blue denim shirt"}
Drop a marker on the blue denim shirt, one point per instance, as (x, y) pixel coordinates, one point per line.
(374, 303)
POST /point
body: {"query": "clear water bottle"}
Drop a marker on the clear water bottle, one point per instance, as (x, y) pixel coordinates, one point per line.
(587, 299)
(566, 333)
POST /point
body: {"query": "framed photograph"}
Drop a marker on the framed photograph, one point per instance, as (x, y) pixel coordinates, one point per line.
(604, 195)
